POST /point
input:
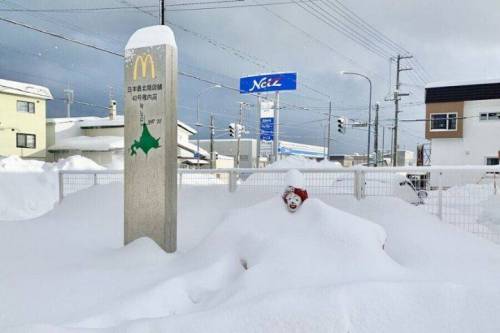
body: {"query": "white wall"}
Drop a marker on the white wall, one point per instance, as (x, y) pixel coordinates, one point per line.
(248, 149)
(481, 138)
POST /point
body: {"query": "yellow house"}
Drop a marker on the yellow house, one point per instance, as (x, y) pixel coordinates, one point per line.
(22, 119)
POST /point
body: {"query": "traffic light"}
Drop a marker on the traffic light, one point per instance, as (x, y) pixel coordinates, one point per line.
(240, 129)
(232, 130)
(341, 125)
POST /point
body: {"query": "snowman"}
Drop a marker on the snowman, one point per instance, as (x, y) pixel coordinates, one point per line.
(295, 193)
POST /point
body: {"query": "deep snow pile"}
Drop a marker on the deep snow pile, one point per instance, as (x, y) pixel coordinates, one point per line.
(254, 269)
(490, 216)
(29, 188)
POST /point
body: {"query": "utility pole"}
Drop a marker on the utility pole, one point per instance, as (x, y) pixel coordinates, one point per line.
(324, 128)
(239, 131)
(212, 137)
(69, 97)
(392, 144)
(162, 12)
(259, 110)
(276, 138)
(375, 140)
(383, 143)
(329, 128)
(397, 98)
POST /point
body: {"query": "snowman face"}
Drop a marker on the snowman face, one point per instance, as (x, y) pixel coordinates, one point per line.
(293, 202)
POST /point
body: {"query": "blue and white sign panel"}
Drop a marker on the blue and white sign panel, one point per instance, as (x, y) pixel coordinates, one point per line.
(267, 129)
(268, 82)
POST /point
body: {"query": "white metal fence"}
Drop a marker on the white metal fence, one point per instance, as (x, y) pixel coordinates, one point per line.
(455, 194)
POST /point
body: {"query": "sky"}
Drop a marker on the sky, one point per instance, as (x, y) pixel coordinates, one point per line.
(450, 41)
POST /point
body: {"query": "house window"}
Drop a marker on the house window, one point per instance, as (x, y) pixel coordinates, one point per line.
(23, 106)
(492, 161)
(489, 116)
(25, 140)
(443, 122)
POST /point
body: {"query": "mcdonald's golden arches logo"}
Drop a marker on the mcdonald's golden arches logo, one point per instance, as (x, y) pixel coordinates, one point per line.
(144, 60)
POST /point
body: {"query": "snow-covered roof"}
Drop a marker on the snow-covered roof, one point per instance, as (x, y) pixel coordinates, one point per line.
(193, 148)
(119, 121)
(186, 127)
(89, 143)
(69, 120)
(461, 83)
(24, 89)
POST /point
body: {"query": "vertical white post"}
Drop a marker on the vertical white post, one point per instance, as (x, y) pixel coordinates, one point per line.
(358, 184)
(362, 184)
(232, 181)
(440, 196)
(60, 176)
(494, 183)
(151, 137)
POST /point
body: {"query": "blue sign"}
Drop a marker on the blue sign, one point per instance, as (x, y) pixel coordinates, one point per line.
(268, 82)
(267, 129)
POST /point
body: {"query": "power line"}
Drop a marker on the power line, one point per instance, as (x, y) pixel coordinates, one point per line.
(282, 3)
(349, 34)
(96, 9)
(59, 36)
(317, 40)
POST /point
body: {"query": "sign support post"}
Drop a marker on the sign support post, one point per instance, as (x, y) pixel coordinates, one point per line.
(276, 130)
(151, 137)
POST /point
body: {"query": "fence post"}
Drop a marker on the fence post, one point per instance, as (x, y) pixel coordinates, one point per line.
(362, 182)
(232, 181)
(440, 196)
(95, 179)
(494, 183)
(180, 180)
(60, 177)
(359, 184)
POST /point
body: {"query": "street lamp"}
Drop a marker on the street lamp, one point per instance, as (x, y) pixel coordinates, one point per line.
(369, 111)
(198, 124)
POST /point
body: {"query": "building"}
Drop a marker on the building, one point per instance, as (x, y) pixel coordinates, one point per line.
(404, 158)
(102, 140)
(463, 122)
(249, 148)
(22, 119)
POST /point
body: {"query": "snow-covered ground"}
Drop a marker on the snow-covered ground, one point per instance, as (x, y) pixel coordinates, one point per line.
(245, 264)
(29, 188)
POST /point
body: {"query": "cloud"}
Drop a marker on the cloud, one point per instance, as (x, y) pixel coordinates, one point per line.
(452, 39)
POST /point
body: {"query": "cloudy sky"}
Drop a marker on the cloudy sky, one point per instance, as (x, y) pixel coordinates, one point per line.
(450, 40)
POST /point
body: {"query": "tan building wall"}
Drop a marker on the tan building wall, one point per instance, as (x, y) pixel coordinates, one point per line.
(13, 122)
(433, 108)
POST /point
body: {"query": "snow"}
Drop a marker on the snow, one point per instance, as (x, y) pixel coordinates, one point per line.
(151, 36)
(99, 122)
(29, 188)
(24, 89)
(89, 143)
(245, 264)
(300, 162)
(70, 119)
(461, 83)
(253, 267)
(490, 216)
(295, 178)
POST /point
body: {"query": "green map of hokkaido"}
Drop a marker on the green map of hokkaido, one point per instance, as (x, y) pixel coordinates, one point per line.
(146, 142)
